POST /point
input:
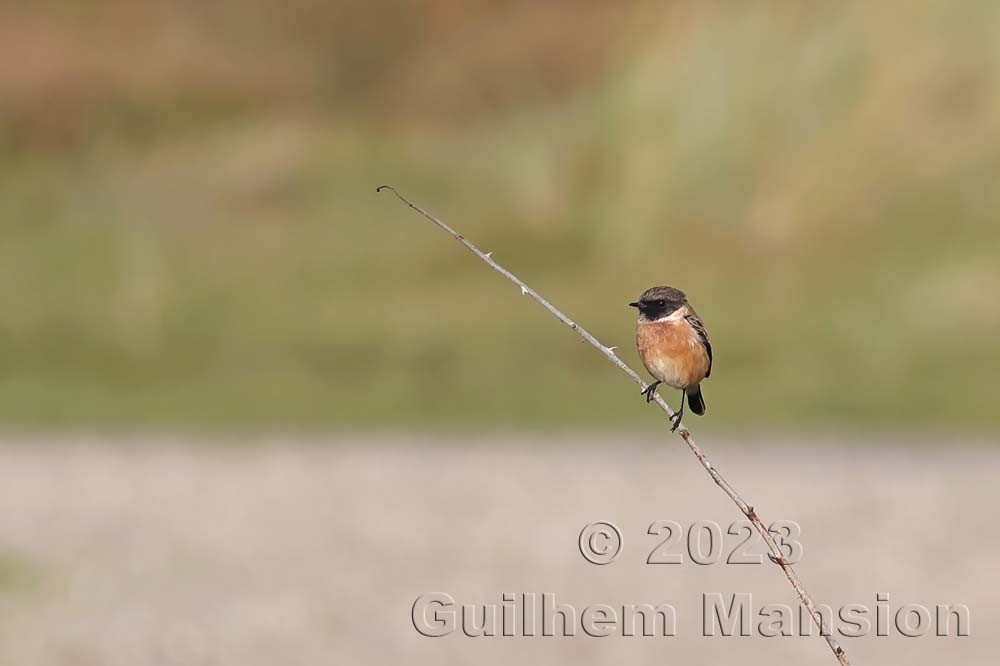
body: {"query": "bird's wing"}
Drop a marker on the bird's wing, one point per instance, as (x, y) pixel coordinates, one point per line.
(699, 327)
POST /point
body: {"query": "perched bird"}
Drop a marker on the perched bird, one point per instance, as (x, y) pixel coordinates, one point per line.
(673, 345)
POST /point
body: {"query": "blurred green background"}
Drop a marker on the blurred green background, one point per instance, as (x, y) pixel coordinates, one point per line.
(192, 239)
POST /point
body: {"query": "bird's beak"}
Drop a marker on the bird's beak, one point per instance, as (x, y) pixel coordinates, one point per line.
(635, 305)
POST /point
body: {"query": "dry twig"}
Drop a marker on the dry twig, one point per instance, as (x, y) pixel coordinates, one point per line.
(775, 554)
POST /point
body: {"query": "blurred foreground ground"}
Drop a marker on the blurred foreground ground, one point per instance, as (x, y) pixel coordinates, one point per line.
(172, 552)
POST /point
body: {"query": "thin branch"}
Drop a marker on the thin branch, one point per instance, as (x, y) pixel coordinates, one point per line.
(775, 554)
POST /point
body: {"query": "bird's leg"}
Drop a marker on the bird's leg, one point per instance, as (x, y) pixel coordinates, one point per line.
(650, 391)
(679, 414)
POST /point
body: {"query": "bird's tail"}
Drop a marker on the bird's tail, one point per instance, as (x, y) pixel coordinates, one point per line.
(695, 400)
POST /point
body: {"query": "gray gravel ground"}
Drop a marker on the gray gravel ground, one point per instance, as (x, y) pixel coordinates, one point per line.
(283, 552)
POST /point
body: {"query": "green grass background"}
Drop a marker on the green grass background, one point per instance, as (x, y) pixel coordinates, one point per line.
(191, 236)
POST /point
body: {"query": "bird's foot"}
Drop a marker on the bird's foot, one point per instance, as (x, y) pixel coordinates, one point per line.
(676, 420)
(650, 392)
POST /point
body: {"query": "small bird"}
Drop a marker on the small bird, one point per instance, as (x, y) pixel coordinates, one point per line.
(673, 345)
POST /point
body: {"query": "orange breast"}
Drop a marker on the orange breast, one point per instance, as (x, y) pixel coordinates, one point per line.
(672, 352)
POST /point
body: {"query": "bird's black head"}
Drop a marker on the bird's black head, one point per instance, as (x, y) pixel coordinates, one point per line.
(658, 302)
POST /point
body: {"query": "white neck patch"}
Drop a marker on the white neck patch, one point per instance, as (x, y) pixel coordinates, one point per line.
(676, 315)
(673, 317)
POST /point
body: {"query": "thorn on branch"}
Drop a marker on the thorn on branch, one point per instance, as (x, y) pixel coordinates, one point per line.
(780, 561)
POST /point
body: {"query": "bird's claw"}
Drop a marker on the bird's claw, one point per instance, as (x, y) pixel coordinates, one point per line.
(676, 420)
(650, 392)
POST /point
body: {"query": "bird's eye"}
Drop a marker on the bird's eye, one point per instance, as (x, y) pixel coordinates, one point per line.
(661, 303)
